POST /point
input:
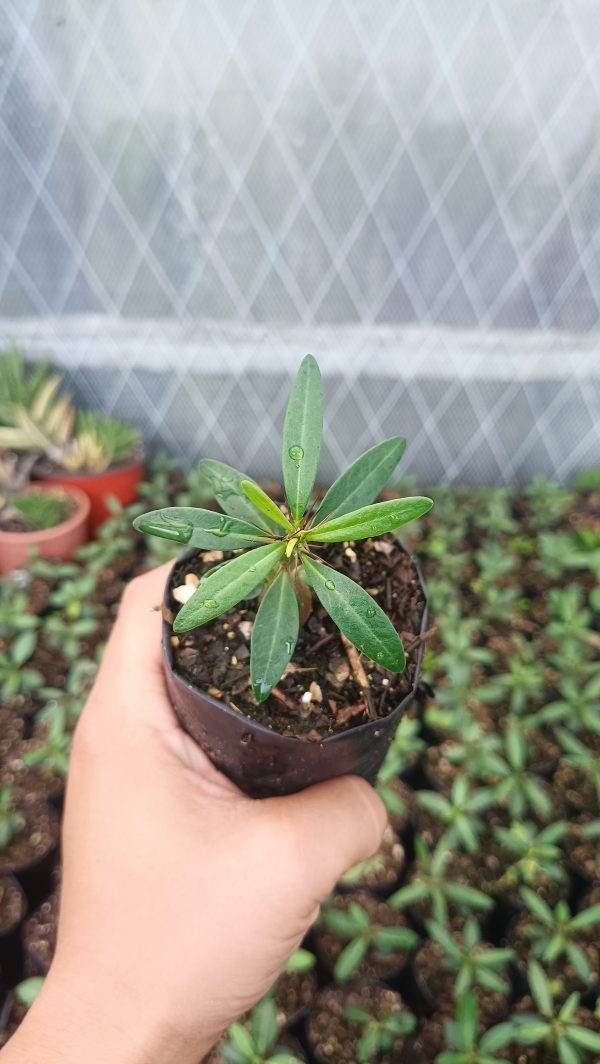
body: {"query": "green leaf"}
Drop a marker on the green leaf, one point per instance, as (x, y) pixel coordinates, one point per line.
(408, 895)
(241, 1039)
(537, 906)
(540, 988)
(223, 588)
(28, 990)
(394, 939)
(205, 529)
(302, 960)
(367, 1046)
(531, 1032)
(302, 435)
(371, 520)
(356, 1014)
(264, 1025)
(265, 504)
(226, 482)
(467, 1018)
(274, 636)
(285, 1058)
(362, 481)
(231, 1055)
(350, 959)
(581, 1036)
(566, 1053)
(23, 647)
(586, 918)
(342, 923)
(497, 1037)
(460, 894)
(356, 614)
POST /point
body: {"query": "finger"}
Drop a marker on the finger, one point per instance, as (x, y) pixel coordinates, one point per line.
(336, 824)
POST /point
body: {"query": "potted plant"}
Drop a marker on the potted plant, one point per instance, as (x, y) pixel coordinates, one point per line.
(99, 455)
(292, 583)
(49, 521)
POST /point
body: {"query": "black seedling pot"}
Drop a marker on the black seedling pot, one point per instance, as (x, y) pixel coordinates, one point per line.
(263, 763)
(11, 945)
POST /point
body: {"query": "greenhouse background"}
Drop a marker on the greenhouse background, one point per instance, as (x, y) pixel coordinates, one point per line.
(195, 195)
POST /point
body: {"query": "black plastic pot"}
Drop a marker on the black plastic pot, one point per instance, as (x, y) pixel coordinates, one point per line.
(11, 945)
(262, 762)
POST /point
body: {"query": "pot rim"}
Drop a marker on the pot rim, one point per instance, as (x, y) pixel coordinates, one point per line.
(60, 475)
(46, 535)
(261, 729)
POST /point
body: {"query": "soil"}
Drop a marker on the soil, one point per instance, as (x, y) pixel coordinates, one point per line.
(333, 1038)
(39, 935)
(293, 993)
(575, 789)
(215, 657)
(429, 1039)
(486, 870)
(39, 835)
(11, 731)
(436, 987)
(12, 904)
(30, 784)
(539, 1054)
(561, 972)
(381, 872)
(583, 852)
(375, 965)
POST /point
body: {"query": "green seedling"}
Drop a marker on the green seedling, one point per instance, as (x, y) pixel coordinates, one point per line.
(27, 991)
(461, 813)
(548, 502)
(405, 749)
(520, 790)
(14, 617)
(553, 933)
(577, 706)
(354, 924)
(430, 885)
(520, 685)
(38, 510)
(472, 963)
(68, 636)
(257, 1045)
(554, 1029)
(280, 544)
(581, 757)
(475, 750)
(378, 1034)
(493, 512)
(51, 757)
(11, 820)
(460, 654)
(71, 699)
(16, 677)
(536, 855)
(72, 594)
(462, 1037)
(302, 960)
(570, 621)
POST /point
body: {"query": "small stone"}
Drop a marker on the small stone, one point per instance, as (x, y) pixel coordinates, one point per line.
(174, 641)
(242, 653)
(306, 698)
(316, 692)
(342, 672)
(385, 682)
(245, 629)
(215, 692)
(351, 554)
(213, 556)
(234, 660)
(192, 579)
(183, 593)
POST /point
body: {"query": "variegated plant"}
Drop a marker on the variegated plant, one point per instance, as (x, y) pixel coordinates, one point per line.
(281, 558)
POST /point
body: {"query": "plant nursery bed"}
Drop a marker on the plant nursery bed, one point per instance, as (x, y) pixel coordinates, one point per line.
(483, 906)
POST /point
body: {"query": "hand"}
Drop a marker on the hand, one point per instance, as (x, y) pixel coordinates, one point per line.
(182, 899)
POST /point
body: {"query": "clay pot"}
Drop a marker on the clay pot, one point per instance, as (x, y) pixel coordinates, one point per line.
(58, 542)
(260, 761)
(121, 482)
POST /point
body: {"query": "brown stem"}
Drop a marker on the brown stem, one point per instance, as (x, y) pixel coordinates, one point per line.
(358, 672)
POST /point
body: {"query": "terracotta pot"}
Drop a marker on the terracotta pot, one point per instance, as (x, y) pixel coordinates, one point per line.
(262, 762)
(121, 482)
(58, 542)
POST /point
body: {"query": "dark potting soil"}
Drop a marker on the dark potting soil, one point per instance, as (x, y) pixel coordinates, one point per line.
(381, 872)
(429, 1039)
(319, 694)
(34, 840)
(35, 783)
(12, 904)
(39, 935)
(334, 1039)
(293, 993)
(375, 965)
(11, 731)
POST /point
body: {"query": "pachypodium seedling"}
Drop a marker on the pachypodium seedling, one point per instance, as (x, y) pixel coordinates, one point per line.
(258, 1043)
(555, 934)
(554, 1027)
(362, 934)
(462, 1035)
(378, 1034)
(472, 963)
(280, 543)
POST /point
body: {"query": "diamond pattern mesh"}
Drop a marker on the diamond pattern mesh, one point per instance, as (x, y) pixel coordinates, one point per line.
(193, 195)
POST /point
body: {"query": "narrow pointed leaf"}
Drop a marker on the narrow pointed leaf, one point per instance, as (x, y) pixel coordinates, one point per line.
(302, 435)
(274, 636)
(350, 959)
(264, 1025)
(361, 483)
(585, 1038)
(540, 989)
(265, 504)
(372, 520)
(227, 585)
(226, 482)
(205, 529)
(356, 614)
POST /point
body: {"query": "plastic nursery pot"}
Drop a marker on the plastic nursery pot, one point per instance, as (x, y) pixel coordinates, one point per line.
(121, 482)
(13, 907)
(264, 763)
(58, 542)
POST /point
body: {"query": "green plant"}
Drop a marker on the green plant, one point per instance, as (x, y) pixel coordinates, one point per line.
(33, 416)
(71, 594)
(577, 706)
(430, 884)
(11, 820)
(378, 1034)
(520, 790)
(521, 684)
(15, 677)
(581, 757)
(27, 991)
(553, 932)
(570, 622)
(99, 442)
(462, 1036)
(302, 960)
(460, 814)
(536, 855)
(68, 635)
(555, 1029)
(404, 750)
(475, 750)
(282, 558)
(258, 1045)
(52, 754)
(36, 510)
(471, 962)
(588, 479)
(493, 512)
(548, 502)
(71, 699)
(14, 617)
(354, 924)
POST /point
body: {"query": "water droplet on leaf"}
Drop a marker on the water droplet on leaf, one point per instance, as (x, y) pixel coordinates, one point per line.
(210, 604)
(260, 690)
(167, 528)
(329, 584)
(370, 612)
(224, 527)
(252, 569)
(296, 452)
(289, 646)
